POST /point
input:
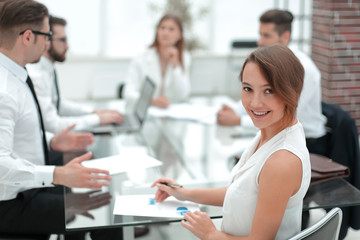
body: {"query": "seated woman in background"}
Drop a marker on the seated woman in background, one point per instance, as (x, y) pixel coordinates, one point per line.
(166, 63)
(264, 197)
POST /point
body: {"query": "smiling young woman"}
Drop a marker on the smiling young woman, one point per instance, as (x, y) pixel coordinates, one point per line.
(264, 197)
(271, 88)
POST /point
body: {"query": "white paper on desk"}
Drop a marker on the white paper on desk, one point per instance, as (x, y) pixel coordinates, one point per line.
(145, 205)
(194, 112)
(124, 162)
(210, 120)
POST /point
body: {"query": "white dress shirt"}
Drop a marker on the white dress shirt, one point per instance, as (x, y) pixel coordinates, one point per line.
(176, 79)
(309, 111)
(21, 149)
(42, 75)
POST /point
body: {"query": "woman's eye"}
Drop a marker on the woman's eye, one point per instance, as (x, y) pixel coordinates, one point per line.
(269, 91)
(247, 89)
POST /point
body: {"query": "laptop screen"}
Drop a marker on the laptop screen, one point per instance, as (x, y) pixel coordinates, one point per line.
(144, 101)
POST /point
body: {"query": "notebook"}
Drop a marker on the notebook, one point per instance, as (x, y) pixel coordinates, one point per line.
(132, 122)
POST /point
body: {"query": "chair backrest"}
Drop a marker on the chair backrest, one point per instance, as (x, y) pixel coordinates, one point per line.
(120, 93)
(236, 44)
(327, 228)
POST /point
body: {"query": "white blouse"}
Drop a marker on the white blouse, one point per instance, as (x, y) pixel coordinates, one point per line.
(176, 80)
(242, 193)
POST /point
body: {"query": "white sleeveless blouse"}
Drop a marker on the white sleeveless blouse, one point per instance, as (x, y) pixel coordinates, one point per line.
(241, 195)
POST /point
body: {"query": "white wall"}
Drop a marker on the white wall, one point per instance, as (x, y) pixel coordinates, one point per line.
(123, 28)
(120, 29)
(88, 79)
(91, 79)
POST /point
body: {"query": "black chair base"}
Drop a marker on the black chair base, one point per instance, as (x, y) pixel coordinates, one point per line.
(23, 237)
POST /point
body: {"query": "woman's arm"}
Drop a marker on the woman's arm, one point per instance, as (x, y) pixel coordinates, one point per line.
(279, 179)
(200, 195)
(180, 83)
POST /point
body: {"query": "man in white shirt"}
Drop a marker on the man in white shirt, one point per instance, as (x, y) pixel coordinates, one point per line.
(275, 28)
(59, 112)
(30, 200)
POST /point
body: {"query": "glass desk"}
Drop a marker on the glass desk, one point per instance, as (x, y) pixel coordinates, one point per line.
(194, 154)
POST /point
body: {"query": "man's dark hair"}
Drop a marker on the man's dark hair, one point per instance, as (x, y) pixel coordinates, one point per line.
(56, 20)
(281, 18)
(17, 16)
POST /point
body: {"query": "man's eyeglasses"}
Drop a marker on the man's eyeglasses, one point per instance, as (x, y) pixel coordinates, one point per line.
(47, 35)
(64, 39)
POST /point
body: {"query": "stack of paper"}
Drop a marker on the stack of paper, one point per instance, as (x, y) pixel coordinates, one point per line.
(145, 205)
(124, 162)
(184, 111)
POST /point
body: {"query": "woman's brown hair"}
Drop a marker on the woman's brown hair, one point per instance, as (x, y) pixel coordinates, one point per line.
(180, 45)
(283, 71)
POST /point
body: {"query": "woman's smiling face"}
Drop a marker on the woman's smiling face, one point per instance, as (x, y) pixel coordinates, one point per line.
(261, 103)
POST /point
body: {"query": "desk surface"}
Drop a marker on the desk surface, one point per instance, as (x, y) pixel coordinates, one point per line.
(196, 155)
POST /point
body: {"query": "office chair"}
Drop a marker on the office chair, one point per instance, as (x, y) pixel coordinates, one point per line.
(236, 44)
(327, 228)
(343, 147)
(237, 48)
(120, 93)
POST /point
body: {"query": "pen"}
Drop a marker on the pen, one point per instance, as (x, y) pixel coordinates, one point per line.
(173, 185)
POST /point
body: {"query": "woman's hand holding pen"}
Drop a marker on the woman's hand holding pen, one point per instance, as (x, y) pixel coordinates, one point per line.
(168, 187)
(197, 222)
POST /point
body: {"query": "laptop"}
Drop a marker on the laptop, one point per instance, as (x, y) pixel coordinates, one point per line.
(132, 122)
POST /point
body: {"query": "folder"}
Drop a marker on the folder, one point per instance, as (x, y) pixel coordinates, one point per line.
(325, 169)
